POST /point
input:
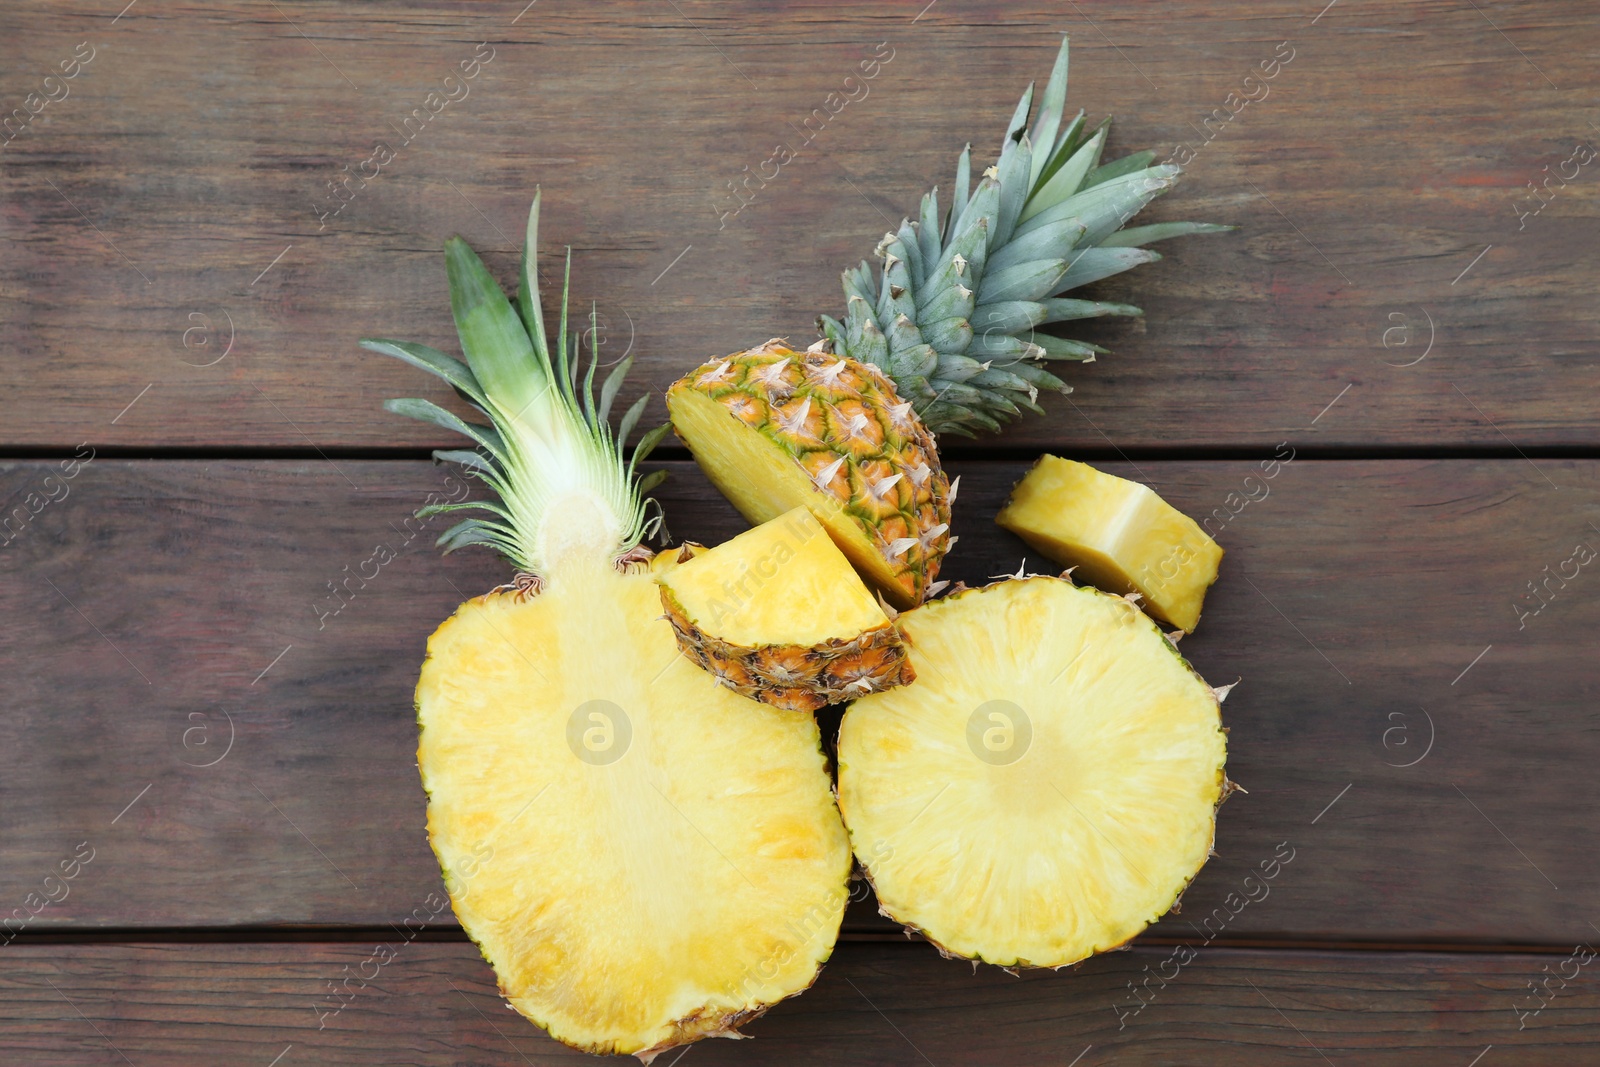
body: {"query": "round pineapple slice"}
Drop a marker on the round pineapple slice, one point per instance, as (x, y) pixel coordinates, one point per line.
(635, 877)
(776, 429)
(1048, 785)
(778, 615)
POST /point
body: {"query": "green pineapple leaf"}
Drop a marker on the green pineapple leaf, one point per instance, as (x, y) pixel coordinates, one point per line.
(549, 454)
(1047, 218)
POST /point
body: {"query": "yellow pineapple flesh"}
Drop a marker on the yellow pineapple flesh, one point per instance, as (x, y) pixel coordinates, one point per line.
(779, 615)
(579, 773)
(662, 562)
(1122, 536)
(1047, 786)
(775, 429)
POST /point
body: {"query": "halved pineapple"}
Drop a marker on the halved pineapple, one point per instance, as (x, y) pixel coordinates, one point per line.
(1047, 786)
(645, 857)
(1123, 537)
(582, 772)
(779, 615)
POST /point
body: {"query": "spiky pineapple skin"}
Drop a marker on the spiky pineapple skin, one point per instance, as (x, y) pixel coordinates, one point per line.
(847, 429)
(796, 677)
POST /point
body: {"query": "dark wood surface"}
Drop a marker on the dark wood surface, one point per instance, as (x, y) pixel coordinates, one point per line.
(181, 705)
(435, 1003)
(168, 599)
(142, 212)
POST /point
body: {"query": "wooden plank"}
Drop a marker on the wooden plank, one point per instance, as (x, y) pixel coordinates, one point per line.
(172, 202)
(436, 1003)
(157, 602)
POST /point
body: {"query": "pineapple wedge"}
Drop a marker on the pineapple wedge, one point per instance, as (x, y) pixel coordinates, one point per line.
(774, 429)
(1047, 786)
(1120, 534)
(779, 615)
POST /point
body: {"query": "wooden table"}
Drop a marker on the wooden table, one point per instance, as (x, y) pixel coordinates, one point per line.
(227, 769)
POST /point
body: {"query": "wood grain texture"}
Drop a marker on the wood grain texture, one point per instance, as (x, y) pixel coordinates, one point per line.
(168, 204)
(159, 602)
(873, 1004)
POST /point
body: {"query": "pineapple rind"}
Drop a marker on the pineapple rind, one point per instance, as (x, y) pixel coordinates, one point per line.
(916, 726)
(661, 898)
(797, 677)
(777, 614)
(838, 439)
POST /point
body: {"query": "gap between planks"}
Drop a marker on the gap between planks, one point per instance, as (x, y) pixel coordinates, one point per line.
(950, 454)
(363, 934)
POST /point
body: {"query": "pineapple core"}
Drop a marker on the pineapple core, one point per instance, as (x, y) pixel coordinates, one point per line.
(782, 583)
(1120, 534)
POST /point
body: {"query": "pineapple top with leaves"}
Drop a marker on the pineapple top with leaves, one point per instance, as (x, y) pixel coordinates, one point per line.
(549, 452)
(943, 339)
(952, 315)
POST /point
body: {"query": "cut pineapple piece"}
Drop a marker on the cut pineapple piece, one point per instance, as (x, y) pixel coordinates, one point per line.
(636, 878)
(1124, 537)
(645, 858)
(775, 429)
(779, 615)
(1048, 785)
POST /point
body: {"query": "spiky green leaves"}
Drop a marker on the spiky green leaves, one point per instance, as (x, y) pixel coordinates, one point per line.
(565, 483)
(953, 314)
(492, 338)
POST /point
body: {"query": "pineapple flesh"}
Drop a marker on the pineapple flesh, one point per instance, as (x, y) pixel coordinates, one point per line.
(1120, 534)
(779, 615)
(1047, 786)
(775, 429)
(653, 858)
(645, 857)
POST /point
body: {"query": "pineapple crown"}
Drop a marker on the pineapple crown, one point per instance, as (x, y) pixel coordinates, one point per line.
(564, 481)
(952, 316)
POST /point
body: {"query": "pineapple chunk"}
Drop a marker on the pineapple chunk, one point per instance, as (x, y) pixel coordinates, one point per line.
(636, 878)
(1124, 537)
(1046, 790)
(779, 615)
